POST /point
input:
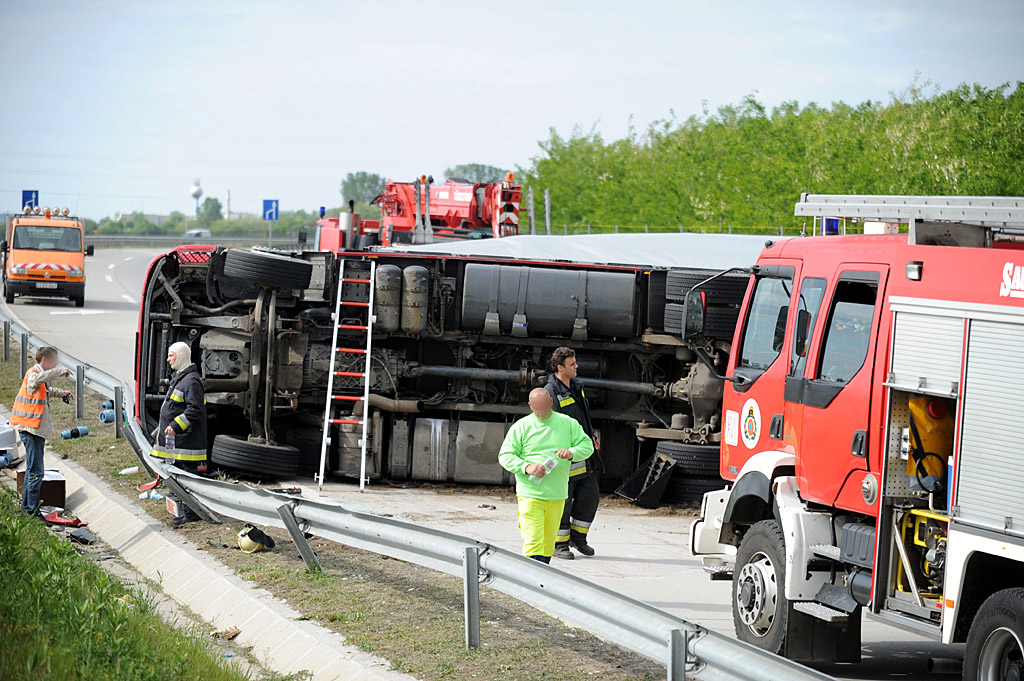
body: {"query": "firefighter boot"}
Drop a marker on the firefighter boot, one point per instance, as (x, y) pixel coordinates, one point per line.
(579, 542)
(562, 551)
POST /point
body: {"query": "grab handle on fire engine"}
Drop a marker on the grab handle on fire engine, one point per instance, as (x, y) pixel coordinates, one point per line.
(775, 429)
(859, 447)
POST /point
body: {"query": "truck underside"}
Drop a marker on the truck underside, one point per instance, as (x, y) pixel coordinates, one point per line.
(457, 343)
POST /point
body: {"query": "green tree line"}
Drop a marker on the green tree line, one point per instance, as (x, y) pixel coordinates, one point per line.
(746, 165)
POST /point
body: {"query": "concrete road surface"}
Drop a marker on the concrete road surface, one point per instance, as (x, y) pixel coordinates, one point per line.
(639, 553)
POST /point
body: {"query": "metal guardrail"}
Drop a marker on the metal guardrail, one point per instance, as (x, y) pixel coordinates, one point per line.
(169, 242)
(685, 648)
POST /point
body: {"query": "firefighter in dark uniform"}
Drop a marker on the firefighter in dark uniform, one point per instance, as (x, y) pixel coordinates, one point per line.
(584, 491)
(181, 435)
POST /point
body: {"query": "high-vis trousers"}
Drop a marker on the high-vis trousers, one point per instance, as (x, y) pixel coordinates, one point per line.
(580, 507)
(538, 524)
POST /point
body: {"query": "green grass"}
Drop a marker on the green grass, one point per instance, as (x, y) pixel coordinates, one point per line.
(62, 617)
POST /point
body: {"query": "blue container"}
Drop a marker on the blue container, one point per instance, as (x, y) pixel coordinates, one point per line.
(72, 433)
(107, 416)
(109, 404)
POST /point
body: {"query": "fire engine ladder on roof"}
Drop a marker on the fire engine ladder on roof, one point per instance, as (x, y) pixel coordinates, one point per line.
(355, 318)
(1000, 214)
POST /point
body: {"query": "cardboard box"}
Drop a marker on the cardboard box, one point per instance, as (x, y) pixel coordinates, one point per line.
(174, 507)
(52, 492)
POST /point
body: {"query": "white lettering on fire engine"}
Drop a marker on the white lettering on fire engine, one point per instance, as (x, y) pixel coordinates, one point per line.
(1013, 281)
(751, 423)
(463, 196)
(732, 428)
(441, 195)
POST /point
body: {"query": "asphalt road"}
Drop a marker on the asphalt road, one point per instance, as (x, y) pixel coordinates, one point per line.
(640, 554)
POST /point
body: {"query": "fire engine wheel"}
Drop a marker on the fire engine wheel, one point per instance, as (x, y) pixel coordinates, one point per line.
(700, 460)
(759, 606)
(253, 457)
(995, 644)
(267, 269)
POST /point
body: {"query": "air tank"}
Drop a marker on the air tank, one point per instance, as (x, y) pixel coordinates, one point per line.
(415, 298)
(387, 300)
(549, 301)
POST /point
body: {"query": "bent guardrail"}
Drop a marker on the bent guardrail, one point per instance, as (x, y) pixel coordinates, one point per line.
(685, 648)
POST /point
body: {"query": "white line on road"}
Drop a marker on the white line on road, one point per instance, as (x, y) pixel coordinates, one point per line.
(81, 312)
(110, 279)
(128, 298)
(130, 257)
(111, 266)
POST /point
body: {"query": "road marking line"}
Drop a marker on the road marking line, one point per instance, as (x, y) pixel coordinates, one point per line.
(81, 312)
(110, 279)
(130, 257)
(128, 298)
(110, 266)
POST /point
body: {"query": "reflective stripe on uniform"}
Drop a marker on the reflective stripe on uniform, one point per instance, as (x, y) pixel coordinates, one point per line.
(28, 408)
(579, 526)
(15, 412)
(179, 454)
(566, 402)
(177, 396)
(181, 421)
(31, 400)
(577, 468)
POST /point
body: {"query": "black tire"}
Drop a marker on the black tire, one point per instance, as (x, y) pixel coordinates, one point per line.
(758, 588)
(698, 460)
(688, 489)
(251, 457)
(995, 644)
(80, 302)
(267, 269)
(727, 290)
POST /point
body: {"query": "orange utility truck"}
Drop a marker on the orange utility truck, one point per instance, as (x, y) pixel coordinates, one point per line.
(44, 256)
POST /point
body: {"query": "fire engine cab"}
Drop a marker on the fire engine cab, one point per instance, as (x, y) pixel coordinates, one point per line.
(872, 433)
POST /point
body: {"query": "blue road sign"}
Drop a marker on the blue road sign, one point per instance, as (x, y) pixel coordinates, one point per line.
(29, 197)
(270, 209)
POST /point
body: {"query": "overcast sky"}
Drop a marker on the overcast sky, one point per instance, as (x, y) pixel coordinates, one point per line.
(111, 107)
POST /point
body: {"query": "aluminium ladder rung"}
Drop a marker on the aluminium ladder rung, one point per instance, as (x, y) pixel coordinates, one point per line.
(348, 398)
(351, 374)
(356, 281)
(347, 422)
(355, 303)
(353, 327)
(354, 351)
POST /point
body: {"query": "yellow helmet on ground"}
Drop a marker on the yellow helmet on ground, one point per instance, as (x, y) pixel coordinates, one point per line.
(251, 540)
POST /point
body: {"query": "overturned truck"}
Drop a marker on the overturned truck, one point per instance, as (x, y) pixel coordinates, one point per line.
(434, 348)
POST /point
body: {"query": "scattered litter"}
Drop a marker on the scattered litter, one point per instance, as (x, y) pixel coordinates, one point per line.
(491, 507)
(54, 517)
(292, 491)
(227, 634)
(83, 536)
(72, 433)
(151, 494)
(112, 447)
(228, 655)
(131, 470)
(252, 539)
(148, 485)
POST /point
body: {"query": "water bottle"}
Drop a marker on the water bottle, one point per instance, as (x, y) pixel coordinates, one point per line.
(169, 440)
(549, 465)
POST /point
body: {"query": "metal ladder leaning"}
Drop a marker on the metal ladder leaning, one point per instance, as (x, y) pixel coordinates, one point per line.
(333, 401)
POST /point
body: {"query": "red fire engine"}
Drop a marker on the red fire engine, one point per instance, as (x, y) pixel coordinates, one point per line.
(872, 422)
(422, 212)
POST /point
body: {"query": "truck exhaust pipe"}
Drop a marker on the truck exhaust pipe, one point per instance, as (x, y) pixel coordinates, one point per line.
(388, 404)
(945, 665)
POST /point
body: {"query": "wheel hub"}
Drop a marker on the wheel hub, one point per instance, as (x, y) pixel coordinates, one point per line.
(757, 594)
(1002, 657)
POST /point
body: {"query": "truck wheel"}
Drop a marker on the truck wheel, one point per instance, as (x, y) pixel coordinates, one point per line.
(995, 644)
(252, 457)
(267, 269)
(759, 606)
(699, 460)
(684, 489)
(80, 302)
(8, 296)
(727, 290)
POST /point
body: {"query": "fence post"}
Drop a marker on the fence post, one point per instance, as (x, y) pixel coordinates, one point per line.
(471, 596)
(24, 353)
(118, 413)
(730, 229)
(677, 654)
(616, 229)
(80, 392)
(547, 212)
(7, 340)
(782, 230)
(588, 228)
(529, 208)
(647, 228)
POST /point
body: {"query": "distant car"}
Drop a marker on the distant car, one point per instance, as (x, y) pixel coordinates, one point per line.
(196, 234)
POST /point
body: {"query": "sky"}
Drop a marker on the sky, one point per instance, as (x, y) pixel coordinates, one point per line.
(113, 107)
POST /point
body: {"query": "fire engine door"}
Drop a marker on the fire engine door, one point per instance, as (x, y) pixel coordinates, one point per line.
(759, 364)
(829, 394)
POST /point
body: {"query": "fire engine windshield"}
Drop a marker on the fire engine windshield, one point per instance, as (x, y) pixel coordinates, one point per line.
(47, 238)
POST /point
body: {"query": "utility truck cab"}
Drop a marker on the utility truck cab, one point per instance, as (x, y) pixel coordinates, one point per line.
(44, 256)
(872, 425)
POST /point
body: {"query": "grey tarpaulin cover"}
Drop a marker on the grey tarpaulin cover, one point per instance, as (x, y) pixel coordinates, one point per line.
(706, 251)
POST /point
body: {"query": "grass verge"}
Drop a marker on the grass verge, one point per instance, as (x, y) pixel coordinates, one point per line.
(62, 617)
(408, 615)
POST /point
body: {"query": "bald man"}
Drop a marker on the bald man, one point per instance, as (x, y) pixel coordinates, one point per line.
(529, 443)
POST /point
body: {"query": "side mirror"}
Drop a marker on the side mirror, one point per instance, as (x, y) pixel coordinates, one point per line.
(3, 246)
(90, 249)
(803, 323)
(780, 328)
(693, 317)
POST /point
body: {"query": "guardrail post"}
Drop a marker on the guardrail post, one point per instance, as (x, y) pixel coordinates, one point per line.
(471, 596)
(7, 340)
(118, 412)
(305, 550)
(79, 392)
(677, 655)
(190, 501)
(24, 353)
